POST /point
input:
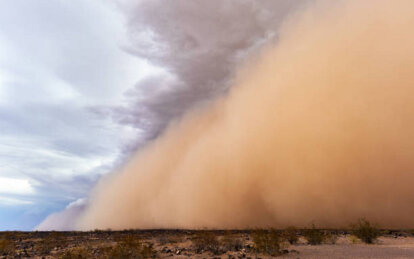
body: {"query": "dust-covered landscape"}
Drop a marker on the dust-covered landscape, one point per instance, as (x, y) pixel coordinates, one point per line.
(254, 243)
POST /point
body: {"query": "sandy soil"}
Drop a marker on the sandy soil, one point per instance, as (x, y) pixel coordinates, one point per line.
(385, 247)
(180, 244)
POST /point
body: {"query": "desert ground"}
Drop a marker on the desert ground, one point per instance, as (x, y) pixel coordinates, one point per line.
(204, 244)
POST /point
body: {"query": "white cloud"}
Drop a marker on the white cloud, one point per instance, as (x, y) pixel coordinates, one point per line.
(15, 186)
(57, 60)
(8, 201)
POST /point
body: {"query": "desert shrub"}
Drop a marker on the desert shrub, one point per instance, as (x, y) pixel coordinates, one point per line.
(147, 251)
(330, 238)
(45, 245)
(267, 241)
(6, 247)
(365, 231)
(353, 239)
(118, 252)
(6, 235)
(128, 240)
(50, 241)
(76, 253)
(291, 235)
(56, 235)
(169, 239)
(313, 236)
(231, 243)
(121, 251)
(163, 240)
(206, 241)
(130, 247)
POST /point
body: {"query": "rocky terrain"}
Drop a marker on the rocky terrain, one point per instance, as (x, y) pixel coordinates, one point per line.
(289, 243)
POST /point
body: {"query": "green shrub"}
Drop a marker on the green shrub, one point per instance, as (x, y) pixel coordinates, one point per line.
(267, 241)
(291, 235)
(365, 231)
(313, 236)
(206, 241)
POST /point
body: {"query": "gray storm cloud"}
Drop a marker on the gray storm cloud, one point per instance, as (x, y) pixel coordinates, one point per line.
(319, 129)
(316, 126)
(199, 45)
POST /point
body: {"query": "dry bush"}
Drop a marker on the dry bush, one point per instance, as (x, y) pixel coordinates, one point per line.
(6, 247)
(53, 240)
(45, 246)
(206, 241)
(231, 242)
(121, 251)
(130, 247)
(147, 251)
(267, 241)
(76, 253)
(170, 239)
(128, 240)
(56, 235)
(353, 239)
(330, 238)
(365, 231)
(314, 236)
(7, 235)
(291, 235)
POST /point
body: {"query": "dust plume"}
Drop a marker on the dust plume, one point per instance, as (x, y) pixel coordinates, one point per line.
(318, 128)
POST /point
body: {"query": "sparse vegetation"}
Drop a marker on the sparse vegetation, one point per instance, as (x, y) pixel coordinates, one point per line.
(121, 251)
(6, 247)
(184, 243)
(231, 242)
(169, 239)
(353, 239)
(267, 241)
(131, 247)
(291, 235)
(330, 238)
(76, 253)
(206, 241)
(45, 245)
(365, 231)
(52, 240)
(313, 236)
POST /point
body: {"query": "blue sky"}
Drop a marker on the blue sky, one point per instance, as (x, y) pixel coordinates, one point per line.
(59, 60)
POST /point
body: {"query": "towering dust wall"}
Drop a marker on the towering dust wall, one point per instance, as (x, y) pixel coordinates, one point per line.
(319, 128)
